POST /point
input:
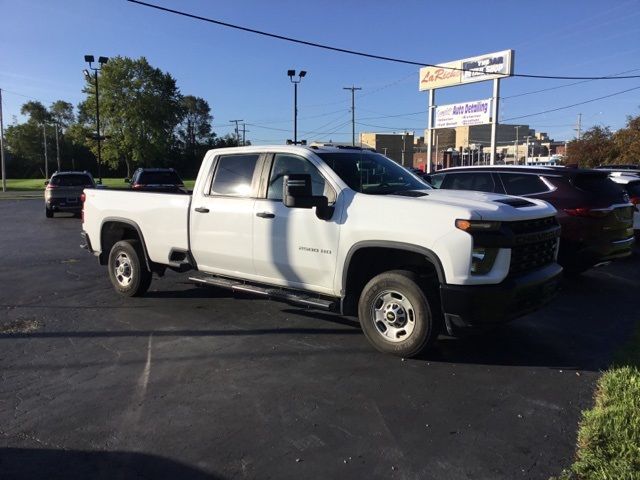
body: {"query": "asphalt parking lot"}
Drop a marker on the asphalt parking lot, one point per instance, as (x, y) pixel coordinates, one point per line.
(199, 383)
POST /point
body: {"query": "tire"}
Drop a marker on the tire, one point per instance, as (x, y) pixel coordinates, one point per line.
(127, 269)
(48, 212)
(396, 315)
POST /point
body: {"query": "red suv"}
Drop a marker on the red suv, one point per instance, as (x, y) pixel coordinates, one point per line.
(595, 213)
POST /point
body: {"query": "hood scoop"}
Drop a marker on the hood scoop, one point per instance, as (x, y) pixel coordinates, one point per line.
(411, 193)
(516, 202)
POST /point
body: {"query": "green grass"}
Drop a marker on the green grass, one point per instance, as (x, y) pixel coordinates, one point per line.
(35, 184)
(609, 433)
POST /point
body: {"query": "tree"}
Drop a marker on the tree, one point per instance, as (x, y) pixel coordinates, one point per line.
(61, 113)
(36, 112)
(596, 147)
(139, 111)
(627, 142)
(194, 135)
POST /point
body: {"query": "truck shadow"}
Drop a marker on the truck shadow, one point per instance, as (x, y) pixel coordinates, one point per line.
(28, 463)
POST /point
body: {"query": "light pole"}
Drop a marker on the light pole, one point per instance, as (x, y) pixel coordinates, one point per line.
(291, 74)
(101, 60)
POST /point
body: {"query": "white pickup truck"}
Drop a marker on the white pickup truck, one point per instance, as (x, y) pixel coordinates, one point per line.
(336, 228)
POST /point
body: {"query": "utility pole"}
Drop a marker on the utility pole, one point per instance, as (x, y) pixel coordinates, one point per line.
(237, 133)
(353, 112)
(46, 162)
(58, 149)
(578, 128)
(515, 157)
(244, 133)
(4, 174)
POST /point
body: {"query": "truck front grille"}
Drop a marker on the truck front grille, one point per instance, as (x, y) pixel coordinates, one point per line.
(535, 244)
(532, 255)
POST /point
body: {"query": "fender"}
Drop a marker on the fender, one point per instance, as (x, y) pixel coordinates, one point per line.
(131, 223)
(430, 255)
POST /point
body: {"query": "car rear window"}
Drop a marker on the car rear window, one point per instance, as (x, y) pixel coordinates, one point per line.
(599, 184)
(159, 178)
(633, 189)
(71, 180)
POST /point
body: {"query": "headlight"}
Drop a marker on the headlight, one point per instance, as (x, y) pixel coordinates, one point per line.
(477, 225)
(482, 260)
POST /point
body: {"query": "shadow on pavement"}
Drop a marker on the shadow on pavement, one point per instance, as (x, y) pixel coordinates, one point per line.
(27, 463)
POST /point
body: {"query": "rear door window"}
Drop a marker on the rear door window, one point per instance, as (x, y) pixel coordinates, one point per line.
(523, 184)
(234, 175)
(478, 181)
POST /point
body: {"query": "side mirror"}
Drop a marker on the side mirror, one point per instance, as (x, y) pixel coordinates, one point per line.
(46, 182)
(127, 180)
(298, 193)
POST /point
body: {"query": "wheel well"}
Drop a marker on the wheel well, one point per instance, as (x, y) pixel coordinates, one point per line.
(114, 231)
(368, 262)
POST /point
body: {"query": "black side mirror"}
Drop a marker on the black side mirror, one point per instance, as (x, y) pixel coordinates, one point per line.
(298, 193)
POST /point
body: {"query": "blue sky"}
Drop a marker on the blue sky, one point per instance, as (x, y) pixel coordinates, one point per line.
(243, 76)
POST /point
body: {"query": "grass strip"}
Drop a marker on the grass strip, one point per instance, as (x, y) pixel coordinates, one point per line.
(608, 446)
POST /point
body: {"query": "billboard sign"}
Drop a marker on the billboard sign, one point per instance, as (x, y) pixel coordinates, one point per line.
(468, 70)
(460, 114)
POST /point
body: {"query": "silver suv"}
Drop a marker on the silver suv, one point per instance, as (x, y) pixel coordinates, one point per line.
(63, 191)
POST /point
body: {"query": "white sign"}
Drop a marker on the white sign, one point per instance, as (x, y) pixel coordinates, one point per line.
(459, 114)
(468, 70)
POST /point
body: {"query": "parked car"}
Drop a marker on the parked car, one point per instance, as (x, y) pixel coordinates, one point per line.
(621, 171)
(631, 184)
(156, 180)
(335, 228)
(63, 191)
(594, 212)
(628, 166)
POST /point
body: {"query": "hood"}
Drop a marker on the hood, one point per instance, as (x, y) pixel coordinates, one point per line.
(490, 206)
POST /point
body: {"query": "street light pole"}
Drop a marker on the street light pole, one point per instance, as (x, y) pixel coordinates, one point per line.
(291, 74)
(2, 167)
(46, 162)
(101, 60)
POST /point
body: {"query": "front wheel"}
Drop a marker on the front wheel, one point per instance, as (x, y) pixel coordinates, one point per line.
(127, 269)
(395, 314)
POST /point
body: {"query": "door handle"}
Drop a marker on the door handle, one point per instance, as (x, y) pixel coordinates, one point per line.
(201, 210)
(265, 215)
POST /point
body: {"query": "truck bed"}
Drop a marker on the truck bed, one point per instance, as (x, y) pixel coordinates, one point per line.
(162, 217)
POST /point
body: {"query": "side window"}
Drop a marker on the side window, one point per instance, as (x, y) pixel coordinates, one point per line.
(285, 164)
(478, 181)
(522, 184)
(436, 179)
(233, 175)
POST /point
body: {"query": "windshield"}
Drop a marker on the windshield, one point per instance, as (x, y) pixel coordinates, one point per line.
(371, 173)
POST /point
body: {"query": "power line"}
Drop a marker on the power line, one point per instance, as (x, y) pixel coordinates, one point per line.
(354, 52)
(572, 105)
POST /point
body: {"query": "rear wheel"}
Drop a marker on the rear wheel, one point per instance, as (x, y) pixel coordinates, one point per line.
(127, 269)
(396, 315)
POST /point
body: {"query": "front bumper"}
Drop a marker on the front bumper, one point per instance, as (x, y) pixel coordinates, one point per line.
(477, 306)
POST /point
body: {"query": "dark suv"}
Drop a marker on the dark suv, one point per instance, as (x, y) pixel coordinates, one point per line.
(157, 180)
(63, 191)
(595, 213)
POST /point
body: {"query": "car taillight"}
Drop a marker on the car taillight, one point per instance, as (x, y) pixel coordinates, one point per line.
(635, 200)
(137, 186)
(50, 186)
(588, 212)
